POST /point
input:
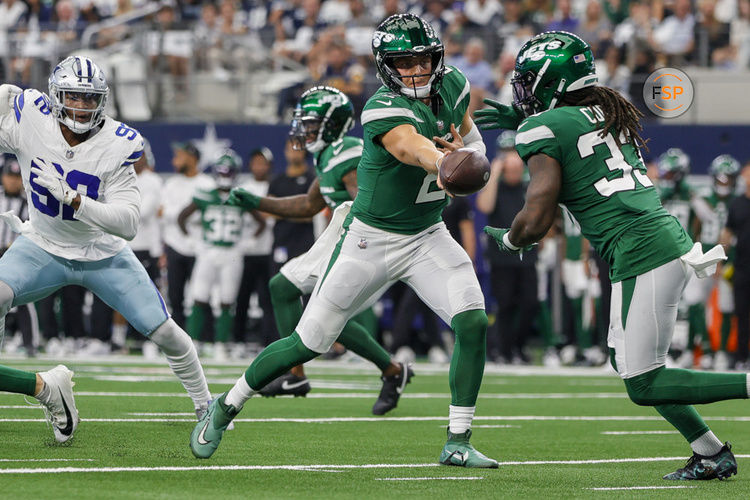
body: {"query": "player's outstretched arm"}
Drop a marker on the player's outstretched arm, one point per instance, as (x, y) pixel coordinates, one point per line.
(538, 213)
(298, 206)
(408, 146)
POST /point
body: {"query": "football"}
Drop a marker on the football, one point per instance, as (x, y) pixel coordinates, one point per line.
(464, 171)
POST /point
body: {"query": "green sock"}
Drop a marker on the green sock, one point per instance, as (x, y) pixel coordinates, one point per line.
(583, 335)
(224, 324)
(195, 321)
(685, 387)
(18, 381)
(544, 320)
(276, 359)
(726, 330)
(287, 304)
(467, 363)
(369, 320)
(357, 339)
(685, 419)
(696, 324)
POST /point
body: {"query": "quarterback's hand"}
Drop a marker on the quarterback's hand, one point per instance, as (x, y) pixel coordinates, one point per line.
(498, 234)
(56, 185)
(498, 116)
(243, 198)
(8, 92)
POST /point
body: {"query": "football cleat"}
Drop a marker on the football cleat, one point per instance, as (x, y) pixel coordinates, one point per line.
(459, 451)
(58, 402)
(287, 384)
(391, 391)
(207, 434)
(700, 467)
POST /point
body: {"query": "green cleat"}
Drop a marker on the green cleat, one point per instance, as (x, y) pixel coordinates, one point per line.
(459, 451)
(700, 467)
(210, 428)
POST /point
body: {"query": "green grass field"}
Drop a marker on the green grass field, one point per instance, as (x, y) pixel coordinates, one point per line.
(567, 434)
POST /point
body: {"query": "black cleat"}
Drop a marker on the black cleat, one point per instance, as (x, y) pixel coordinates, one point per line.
(287, 384)
(700, 467)
(392, 388)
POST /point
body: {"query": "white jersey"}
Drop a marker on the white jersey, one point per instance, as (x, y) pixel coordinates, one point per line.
(100, 169)
(177, 194)
(149, 232)
(251, 244)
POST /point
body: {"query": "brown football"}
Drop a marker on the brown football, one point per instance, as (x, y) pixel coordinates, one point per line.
(464, 171)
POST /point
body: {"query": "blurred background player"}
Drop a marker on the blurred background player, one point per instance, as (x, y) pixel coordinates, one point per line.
(219, 260)
(321, 121)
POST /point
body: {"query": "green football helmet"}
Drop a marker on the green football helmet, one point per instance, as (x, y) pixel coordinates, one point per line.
(724, 171)
(547, 67)
(323, 115)
(674, 165)
(408, 35)
(226, 168)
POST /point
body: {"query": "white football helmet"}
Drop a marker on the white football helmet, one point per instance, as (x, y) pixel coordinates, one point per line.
(79, 75)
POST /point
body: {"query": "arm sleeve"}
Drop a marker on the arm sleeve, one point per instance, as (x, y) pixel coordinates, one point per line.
(120, 214)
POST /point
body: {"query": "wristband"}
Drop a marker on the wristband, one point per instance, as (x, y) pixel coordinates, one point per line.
(507, 243)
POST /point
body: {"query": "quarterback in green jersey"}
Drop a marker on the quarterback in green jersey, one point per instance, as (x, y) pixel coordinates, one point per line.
(220, 260)
(581, 142)
(393, 232)
(321, 121)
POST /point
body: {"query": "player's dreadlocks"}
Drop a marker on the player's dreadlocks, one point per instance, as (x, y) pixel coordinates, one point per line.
(618, 112)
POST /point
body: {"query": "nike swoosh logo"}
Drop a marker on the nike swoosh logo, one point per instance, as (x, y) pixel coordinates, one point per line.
(385, 103)
(338, 150)
(285, 385)
(69, 426)
(201, 436)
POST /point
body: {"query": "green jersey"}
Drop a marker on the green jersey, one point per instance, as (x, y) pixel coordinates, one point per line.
(676, 200)
(711, 228)
(221, 224)
(604, 186)
(573, 236)
(332, 164)
(394, 196)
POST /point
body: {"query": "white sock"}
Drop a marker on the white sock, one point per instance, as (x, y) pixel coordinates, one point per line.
(460, 418)
(119, 333)
(707, 445)
(239, 393)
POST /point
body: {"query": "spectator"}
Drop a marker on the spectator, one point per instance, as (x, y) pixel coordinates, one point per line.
(674, 36)
(438, 15)
(295, 34)
(738, 229)
(477, 71)
(170, 50)
(513, 281)
(564, 20)
(342, 71)
(256, 247)
(208, 39)
(359, 28)
(595, 27)
(482, 12)
(711, 36)
(739, 36)
(610, 70)
(616, 10)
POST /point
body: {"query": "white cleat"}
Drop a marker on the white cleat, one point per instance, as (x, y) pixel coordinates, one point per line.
(58, 402)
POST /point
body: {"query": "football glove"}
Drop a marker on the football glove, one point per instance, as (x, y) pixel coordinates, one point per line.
(15, 224)
(8, 93)
(498, 234)
(239, 197)
(56, 185)
(498, 116)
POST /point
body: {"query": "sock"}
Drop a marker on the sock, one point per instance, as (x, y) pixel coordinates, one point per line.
(544, 321)
(678, 386)
(355, 337)
(583, 335)
(287, 304)
(726, 330)
(239, 393)
(276, 359)
(195, 321)
(467, 362)
(696, 324)
(18, 381)
(685, 419)
(460, 418)
(224, 324)
(707, 445)
(369, 320)
(119, 333)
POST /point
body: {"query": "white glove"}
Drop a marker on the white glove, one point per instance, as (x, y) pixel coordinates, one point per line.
(56, 186)
(704, 264)
(14, 222)
(8, 92)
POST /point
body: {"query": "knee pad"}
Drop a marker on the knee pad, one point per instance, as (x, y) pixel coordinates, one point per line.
(639, 387)
(172, 339)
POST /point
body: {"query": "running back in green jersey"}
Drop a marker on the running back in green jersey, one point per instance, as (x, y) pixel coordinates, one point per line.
(332, 164)
(711, 228)
(221, 224)
(573, 236)
(604, 185)
(394, 196)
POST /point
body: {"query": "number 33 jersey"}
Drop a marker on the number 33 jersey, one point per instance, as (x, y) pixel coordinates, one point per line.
(604, 186)
(100, 168)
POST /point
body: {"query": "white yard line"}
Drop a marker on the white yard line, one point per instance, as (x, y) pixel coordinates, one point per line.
(47, 460)
(620, 488)
(635, 433)
(467, 478)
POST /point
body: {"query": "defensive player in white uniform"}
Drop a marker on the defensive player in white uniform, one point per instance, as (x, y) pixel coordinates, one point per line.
(393, 232)
(77, 168)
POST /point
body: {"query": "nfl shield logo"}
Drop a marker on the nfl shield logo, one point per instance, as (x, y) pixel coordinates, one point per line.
(362, 243)
(69, 154)
(440, 125)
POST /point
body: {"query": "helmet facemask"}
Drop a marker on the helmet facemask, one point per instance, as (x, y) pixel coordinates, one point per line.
(74, 81)
(407, 85)
(322, 116)
(225, 170)
(307, 132)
